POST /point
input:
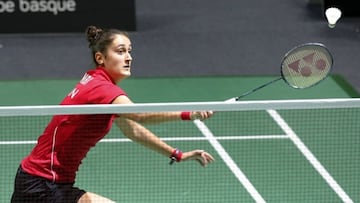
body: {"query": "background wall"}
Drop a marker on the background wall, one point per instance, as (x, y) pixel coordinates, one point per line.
(195, 38)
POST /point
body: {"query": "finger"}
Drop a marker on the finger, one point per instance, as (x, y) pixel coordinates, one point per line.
(211, 157)
(198, 156)
(208, 114)
(201, 161)
(204, 115)
(206, 158)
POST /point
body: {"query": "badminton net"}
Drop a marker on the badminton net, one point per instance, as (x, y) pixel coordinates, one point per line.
(265, 151)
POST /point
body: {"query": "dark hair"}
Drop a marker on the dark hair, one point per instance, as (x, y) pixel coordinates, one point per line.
(99, 39)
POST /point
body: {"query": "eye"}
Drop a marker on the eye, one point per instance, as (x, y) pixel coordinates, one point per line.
(121, 51)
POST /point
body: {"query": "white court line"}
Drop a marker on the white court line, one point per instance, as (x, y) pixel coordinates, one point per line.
(250, 137)
(229, 162)
(18, 142)
(310, 157)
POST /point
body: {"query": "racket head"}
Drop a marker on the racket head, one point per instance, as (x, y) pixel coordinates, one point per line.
(306, 65)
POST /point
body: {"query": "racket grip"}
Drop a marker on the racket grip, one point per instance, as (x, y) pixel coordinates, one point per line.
(234, 99)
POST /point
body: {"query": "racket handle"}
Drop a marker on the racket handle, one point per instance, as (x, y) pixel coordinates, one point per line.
(234, 99)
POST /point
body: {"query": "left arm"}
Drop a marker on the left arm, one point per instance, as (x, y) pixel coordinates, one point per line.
(140, 134)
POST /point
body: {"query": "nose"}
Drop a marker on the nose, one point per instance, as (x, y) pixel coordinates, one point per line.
(129, 57)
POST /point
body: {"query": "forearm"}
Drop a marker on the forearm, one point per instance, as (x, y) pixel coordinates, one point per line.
(154, 118)
(140, 134)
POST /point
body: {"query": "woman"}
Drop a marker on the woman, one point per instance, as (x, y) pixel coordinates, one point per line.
(48, 173)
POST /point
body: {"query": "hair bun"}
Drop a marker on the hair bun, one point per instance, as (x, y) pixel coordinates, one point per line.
(93, 33)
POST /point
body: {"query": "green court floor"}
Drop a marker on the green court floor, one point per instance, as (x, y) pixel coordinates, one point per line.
(273, 164)
(177, 89)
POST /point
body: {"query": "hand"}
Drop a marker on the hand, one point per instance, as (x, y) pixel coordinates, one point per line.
(201, 156)
(201, 115)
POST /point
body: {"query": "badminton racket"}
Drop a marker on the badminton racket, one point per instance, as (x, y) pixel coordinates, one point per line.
(303, 66)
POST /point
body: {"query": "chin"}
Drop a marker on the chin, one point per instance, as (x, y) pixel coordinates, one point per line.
(126, 75)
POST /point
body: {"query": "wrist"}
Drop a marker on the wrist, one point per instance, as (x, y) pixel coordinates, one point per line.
(176, 156)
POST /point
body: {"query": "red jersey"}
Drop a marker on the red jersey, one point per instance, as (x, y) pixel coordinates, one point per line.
(67, 138)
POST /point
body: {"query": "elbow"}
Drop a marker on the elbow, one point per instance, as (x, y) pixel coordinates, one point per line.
(135, 117)
(130, 128)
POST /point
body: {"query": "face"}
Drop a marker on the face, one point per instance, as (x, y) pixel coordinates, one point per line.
(117, 59)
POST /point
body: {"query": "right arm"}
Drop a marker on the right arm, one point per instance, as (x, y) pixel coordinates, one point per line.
(158, 117)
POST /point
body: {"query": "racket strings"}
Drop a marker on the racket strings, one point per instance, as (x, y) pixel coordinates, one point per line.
(306, 66)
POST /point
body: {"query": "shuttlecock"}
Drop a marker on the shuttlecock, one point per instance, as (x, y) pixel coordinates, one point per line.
(332, 15)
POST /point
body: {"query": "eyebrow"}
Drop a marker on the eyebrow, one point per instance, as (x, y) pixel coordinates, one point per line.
(122, 45)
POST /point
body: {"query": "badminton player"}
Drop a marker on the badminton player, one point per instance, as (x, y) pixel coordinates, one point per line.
(48, 173)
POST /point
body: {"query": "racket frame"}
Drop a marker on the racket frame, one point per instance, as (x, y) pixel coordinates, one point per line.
(289, 53)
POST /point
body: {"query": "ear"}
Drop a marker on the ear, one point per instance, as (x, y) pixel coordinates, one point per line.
(99, 57)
